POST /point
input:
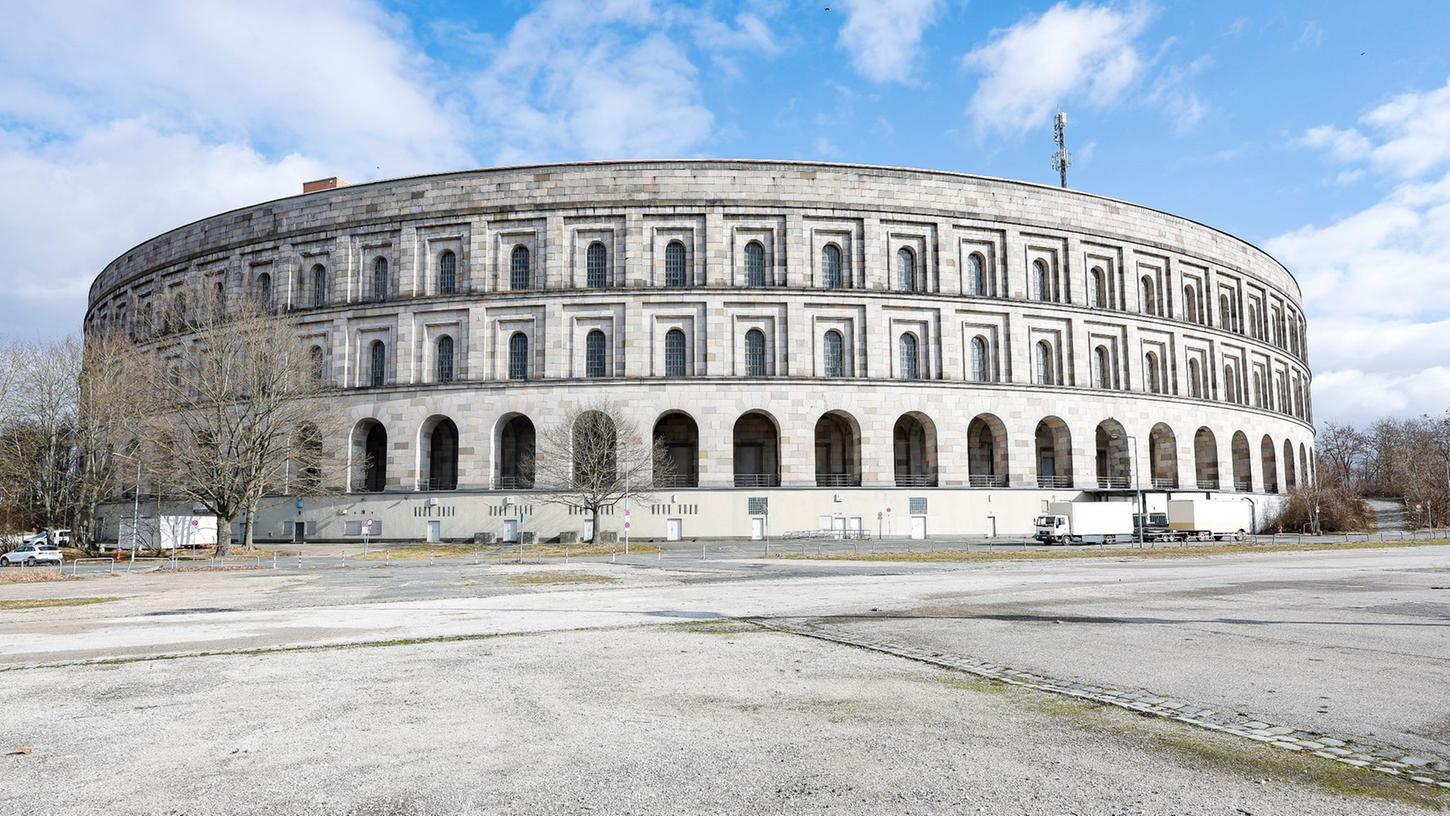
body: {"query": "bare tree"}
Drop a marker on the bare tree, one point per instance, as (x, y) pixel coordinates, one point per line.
(40, 417)
(595, 457)
(238, 405)
(111, 406)
(1342, 448)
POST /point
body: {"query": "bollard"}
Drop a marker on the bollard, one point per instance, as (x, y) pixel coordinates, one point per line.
(299, 559)
(388, 558)
(702, 549)
(430, 558)
(475, 557)
(274, 559)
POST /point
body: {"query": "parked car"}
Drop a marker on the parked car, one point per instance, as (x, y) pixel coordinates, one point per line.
(62, 538)
(32, 554)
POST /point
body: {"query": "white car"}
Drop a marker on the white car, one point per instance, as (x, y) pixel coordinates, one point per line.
(31, 555)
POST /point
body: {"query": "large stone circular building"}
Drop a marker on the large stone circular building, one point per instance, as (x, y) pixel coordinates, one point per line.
(818, 345)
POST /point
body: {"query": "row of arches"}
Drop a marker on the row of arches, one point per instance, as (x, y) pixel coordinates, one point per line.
(756, 454)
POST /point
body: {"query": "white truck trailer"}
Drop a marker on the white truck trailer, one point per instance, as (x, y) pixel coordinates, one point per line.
(168, 532)
(1208, 519)
(1085, 523)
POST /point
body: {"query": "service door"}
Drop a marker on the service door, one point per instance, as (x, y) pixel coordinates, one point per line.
(839, 526)
(757, 527)
(435, 531)
(510, 530)
(918, 527)
(674, 529)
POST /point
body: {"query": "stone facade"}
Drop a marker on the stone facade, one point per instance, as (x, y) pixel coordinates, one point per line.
(980, 345)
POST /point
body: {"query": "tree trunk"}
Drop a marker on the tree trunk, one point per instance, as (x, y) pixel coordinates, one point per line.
(251, 526)
(594, 524)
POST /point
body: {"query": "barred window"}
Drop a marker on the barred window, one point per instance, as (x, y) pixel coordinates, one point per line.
(981, 366)
(519, 268)
(675, 353)
(447, 273)
(597, 266)
(1041, 281)
(1044, 363)
(755, 353)
(377, 363)
(910, 369)
(976, 275)
(834, 353)
(906, 270)
(380, 279)
(264, 289)
(319, 363)
(675, 264)
(518, 356)
(594, 354)
(754, 264)
(831, 267)
(319, 285)
(445, 359)
(1102, 368)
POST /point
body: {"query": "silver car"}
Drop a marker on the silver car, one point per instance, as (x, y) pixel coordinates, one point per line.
(32, 555)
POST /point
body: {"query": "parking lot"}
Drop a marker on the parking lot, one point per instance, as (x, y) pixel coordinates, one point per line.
(662, 681)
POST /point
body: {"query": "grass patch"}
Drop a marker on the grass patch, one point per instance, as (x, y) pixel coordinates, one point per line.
(494, 552)
(560, 578)
(48, 603)
(715, 626)
(1170, 551)
(32, 575)
(1204, 749)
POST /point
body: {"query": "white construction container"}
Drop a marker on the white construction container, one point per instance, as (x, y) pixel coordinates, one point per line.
(1085, 523)
(1204, 519)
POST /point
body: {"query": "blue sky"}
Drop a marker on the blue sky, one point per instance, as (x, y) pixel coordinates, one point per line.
(1318, 130)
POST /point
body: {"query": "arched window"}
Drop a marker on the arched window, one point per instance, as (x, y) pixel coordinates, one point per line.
(981, 365)
(594, 354)
(380, 279)
(906, 270)
(1230, 384)
(1147, 301)
(518, 356)
(519, 268)
(377, 363)
(1190, 304)
(754, 264)
(1102, 368)
(755, 353)
(675, 353)
(318, 362)
(976, 275)
(264, 290)
(910, 365)
(319, 285)
(447, 273)
(1150, 366)
(675, 264)
(1225, 313)
(444, 359)
(1195, 379)
(596, 264)
(831, 267)
(1258, 389)
(1041, 281)
(1254, 329)
(1098, 289)
(1044, 363)
(833, 354)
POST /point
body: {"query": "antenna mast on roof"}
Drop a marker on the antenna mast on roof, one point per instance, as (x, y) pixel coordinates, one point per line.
(1061, 159)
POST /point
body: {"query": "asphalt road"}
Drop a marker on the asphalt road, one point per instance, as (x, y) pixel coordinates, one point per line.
(622, 697)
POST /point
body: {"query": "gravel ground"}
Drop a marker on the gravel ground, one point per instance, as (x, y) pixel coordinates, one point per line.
(688, 718)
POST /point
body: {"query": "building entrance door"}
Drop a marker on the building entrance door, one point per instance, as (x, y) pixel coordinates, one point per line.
(674, 529)
(757, 528)
(918, 527)
(510, 530)
(435, 531)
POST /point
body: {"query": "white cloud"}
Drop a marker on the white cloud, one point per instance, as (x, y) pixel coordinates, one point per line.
(1410, 130)
(581, 80)
(121, 120)
(1029, 68)
(883, 37)
(333, 78)
(72, 205)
